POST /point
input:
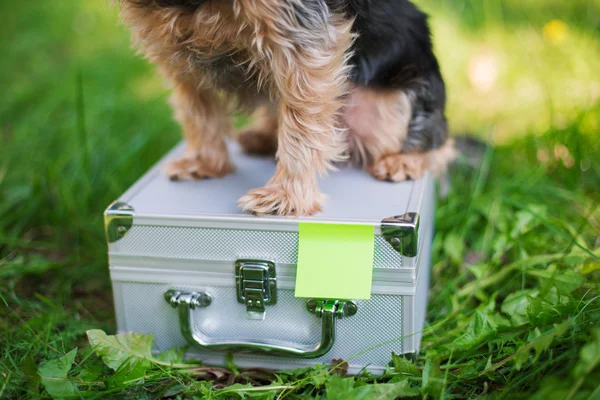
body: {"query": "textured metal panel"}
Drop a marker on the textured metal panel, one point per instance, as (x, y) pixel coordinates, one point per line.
(377, 321)
(385, 256)
(228, 245)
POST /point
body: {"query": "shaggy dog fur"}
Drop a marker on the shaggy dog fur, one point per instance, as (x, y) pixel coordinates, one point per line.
(327, 79)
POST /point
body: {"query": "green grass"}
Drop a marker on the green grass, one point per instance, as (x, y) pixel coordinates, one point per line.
(514, 309)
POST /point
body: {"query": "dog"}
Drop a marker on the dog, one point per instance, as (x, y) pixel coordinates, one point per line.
(327, 81)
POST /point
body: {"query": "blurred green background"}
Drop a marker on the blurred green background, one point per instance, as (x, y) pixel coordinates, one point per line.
(82, 117)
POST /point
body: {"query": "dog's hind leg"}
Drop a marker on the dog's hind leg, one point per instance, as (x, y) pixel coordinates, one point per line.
(426, 146)
(395, 135)
(205, 124)
(260, 136)
(401, 166)
(377, 122)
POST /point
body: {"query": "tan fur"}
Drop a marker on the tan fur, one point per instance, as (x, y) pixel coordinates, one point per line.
(303, 69)
(401, 166)
(307, 81)
(377, 123)
(310, 82)
(286, 194)
(175, 39)
(205, 125)
(172, 39)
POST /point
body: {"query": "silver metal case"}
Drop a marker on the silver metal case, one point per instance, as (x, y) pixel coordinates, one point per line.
(188, 267)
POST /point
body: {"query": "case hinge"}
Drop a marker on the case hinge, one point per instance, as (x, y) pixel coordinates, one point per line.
(256, 285)
(341, 308)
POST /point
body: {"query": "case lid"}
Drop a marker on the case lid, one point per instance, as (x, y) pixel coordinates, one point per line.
(353, 196)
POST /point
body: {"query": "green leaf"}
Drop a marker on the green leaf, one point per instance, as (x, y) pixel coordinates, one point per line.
(385, 391)
(521, 356)
(171, 356)
(174, 390)
(480, 329)
(129, 354)
(515, 306)
(501, 245)
(565, 281)
(543, 342)
(247, 391)
(501, 322)
(549, 308)
(454, 246)
(320, 377)
(91, 373)
(540, 311)
(54, 373)
(478, 270)
(127, 375)
(553, 297)
(525, 220)
(404, 366)
(563, 327)
(433, 381)
(339, 388)
(28, 368)
(539, 342)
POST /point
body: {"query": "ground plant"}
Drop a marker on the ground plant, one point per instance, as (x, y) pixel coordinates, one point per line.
(514, 307)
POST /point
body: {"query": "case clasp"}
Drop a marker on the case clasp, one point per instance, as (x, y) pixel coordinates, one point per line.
(256, 285)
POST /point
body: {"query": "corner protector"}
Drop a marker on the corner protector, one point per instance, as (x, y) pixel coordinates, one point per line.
(118, 220)
(402, 233)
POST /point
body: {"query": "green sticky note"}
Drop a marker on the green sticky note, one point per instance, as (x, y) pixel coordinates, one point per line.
(335, 261)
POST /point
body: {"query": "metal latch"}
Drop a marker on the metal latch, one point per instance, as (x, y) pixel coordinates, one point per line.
(256, 285)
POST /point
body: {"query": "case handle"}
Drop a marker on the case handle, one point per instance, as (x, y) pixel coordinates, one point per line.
(328, 310)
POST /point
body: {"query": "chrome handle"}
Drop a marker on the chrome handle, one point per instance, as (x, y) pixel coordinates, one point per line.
(327, 310)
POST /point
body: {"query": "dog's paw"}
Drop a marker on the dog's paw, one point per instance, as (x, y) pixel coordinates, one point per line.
(258, 142)
(275, 199)
(399, 167)
(194, 168)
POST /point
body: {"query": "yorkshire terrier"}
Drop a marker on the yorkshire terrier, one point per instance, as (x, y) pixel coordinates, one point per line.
(326, 80)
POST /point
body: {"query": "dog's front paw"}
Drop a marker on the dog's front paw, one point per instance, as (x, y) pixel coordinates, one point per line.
(195, 168)
(399, 167)
(276, 199)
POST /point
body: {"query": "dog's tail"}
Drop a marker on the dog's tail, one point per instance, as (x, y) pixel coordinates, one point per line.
(470, 148)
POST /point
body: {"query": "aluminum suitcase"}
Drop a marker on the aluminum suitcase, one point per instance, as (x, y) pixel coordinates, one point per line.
(185, 263)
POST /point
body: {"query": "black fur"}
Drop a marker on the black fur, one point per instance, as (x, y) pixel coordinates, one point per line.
(394, 50)
(191, 4)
